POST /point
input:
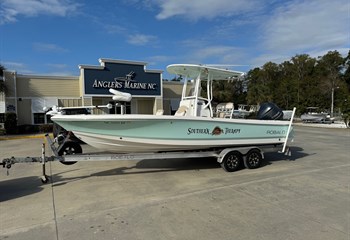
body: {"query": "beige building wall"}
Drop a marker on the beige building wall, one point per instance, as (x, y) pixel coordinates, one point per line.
(99, 101)
(172, 92)
(172, 89)
(2, 97)
(145, 106)
(69, 102)
(24, 113)
(47, 86)
(81, 83)
(87, 101)
(23, 91)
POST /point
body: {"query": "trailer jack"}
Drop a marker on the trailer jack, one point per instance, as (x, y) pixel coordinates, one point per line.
(8, 162)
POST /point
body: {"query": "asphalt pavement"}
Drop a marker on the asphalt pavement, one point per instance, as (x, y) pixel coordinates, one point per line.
(302, 196)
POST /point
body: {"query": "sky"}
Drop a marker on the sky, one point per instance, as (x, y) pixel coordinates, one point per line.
(53, 37)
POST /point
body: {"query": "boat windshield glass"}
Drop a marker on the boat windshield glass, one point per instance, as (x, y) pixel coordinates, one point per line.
(190, 89)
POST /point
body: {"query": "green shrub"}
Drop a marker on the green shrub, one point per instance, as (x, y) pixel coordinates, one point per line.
(27, 128)
(11, 123)
(46, 128)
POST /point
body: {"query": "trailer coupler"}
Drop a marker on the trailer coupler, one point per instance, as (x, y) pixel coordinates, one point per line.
(8, 162)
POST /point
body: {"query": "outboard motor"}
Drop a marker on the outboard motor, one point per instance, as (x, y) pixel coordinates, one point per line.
(269, 111)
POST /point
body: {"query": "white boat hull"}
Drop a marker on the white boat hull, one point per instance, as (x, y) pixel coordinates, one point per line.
(149, 133)
(129, 145)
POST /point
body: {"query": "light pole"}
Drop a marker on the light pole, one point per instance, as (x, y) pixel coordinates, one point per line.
(332, 104)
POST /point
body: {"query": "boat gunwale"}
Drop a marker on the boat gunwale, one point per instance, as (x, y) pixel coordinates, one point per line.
(140, 117)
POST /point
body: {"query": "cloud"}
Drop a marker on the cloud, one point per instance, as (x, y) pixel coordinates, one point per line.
(207, 9)
(48, 47)
(60, 69)
(114, 29)
(302, 26)
(269, 57)
(160, 60)
(57, 65)
(16, 66)
(216, 54)
(141, 39)
(11, 9)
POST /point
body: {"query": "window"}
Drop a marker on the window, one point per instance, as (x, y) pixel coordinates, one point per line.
(117, 109)
(38, 105)
(39, 118)
(76, 111)
(48, 119)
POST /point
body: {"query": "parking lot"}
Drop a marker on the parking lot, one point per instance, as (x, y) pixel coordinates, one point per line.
(304, 196)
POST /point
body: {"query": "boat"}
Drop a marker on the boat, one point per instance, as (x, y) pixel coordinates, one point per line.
(244, 111)
(312, 115)
(224, 110)
(192, 127)
(227, 110)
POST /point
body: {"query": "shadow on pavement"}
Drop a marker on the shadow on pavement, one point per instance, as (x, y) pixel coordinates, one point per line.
(20, 187)
(25, 186)
(167, 165)
(296, 153)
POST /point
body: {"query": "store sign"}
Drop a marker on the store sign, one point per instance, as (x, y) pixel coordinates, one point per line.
(123, 77)
(126, 82)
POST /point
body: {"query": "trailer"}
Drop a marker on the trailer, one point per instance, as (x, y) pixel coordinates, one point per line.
(69, 152)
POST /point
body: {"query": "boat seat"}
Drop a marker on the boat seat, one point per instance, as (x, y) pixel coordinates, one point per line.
(181, 111)
(222, 115)
(160, 112)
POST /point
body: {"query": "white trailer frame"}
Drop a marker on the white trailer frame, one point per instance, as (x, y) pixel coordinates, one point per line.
(223, 156)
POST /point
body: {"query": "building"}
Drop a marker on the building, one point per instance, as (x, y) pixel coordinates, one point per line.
(27, 95)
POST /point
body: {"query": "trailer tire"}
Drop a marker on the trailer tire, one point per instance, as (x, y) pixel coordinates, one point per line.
(232, 161)
(253, 159)
(70, 148)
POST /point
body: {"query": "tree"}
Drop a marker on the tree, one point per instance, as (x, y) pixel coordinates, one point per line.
(303, 68)
(347, 70)
(285, 88)
(255, 92)
(302, 82)
(262, 82)
(330, 71)
(177, 79)
(345, 99)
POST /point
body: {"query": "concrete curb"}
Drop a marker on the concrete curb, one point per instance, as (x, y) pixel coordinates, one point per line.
(15, 137)
(321, 125)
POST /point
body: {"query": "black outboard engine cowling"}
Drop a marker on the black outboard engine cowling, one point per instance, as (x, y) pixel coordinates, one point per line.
(269, 111)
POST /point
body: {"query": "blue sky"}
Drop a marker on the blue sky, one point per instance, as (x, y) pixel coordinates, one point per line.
(52, 37)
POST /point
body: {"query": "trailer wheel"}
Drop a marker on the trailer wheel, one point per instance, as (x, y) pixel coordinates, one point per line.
(253, 159)
(70, 148)
(232, 161)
